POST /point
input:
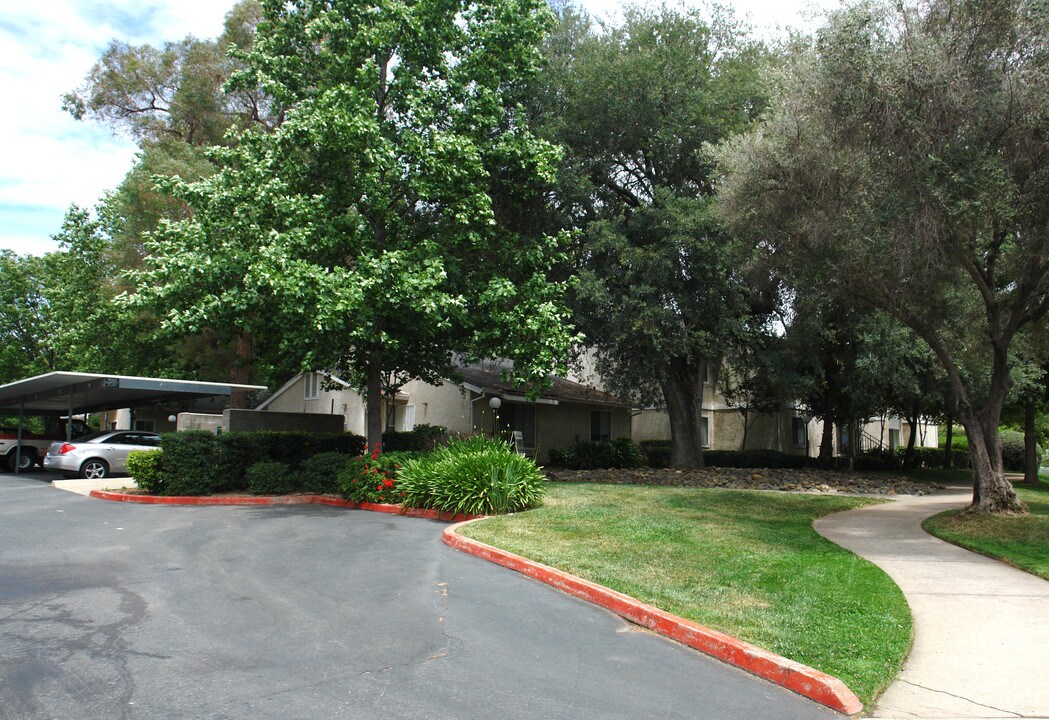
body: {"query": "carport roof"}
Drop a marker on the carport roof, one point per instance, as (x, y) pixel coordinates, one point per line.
(59, 393)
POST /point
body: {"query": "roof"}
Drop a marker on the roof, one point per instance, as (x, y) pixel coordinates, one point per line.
(61, 393)
(489, 380)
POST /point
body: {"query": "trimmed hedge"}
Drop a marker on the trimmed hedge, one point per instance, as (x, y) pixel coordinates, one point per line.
(270, 478)
(422, 438)
(619, 453)
(658, 454)
(923, 458)
(145, 467)
(320, 473)
(197, 462)
(190, 463)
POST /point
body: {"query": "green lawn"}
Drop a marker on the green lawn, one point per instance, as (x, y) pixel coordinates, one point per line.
(1021, 540)
(745, 563)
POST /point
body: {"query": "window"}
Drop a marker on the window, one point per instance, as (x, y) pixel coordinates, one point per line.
(145, 425)
(312, 386)
(799, 432)
(600, 425)
(704, 431)
(406, 420)
(519, 417)
(894, 439)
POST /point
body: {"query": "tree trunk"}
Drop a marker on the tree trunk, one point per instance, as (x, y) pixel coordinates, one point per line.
(683, 392)
(746, 427)
(1030, 445)
(373, 400)
(826, 456)
(908, 454)
(991, 491)
(240, 374)
(948, 450)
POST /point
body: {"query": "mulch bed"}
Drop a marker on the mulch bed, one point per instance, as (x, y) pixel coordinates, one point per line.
(805, 480)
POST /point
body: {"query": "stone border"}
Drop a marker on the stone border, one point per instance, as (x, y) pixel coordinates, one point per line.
(808, 682)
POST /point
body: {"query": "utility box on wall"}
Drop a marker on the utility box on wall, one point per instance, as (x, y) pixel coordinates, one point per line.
(249, 420)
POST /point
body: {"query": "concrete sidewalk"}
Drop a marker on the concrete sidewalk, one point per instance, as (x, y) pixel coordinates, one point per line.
(981, 627)
(84, 487)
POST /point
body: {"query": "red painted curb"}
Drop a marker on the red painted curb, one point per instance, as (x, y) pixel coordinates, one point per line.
(813, 684)
(280, 500)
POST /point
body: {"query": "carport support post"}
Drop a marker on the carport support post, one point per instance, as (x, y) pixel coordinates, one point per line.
(18, 448)
(69, 420)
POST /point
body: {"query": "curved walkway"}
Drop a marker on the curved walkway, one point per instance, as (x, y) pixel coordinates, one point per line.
(981, 627)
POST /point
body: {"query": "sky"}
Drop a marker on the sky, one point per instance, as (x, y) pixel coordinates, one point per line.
(51, 161)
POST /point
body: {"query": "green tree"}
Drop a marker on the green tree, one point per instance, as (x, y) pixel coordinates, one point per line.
(908, 151)
(662, 291)
(173, 100)
(361, 232)
(23, 349)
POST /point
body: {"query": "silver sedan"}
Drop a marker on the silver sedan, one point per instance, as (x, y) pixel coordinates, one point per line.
(98, 455)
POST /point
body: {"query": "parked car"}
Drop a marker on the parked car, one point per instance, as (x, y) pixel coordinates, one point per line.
(35, 445)
(98, 455)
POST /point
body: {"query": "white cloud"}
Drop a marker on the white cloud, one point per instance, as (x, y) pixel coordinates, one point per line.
(50, 159)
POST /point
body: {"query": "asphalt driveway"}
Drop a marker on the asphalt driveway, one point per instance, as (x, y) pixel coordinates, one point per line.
(128, 611)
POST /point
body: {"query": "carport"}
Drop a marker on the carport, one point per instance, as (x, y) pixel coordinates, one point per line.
(68, 394)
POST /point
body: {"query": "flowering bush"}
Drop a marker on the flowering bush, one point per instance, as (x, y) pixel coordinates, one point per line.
(372, 478)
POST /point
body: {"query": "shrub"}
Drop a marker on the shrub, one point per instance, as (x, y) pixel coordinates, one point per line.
(371, 478)
(145, 466)
(270, 478)
(474, 476)
(422, 438)
(189, 466)
(320, 473)
(656, 452)
(620, 453)
(199, 463)
(237, 452)
(1013, 454)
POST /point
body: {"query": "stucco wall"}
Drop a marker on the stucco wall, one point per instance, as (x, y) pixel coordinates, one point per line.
(250, 420)
(447, 405)
(200, 421)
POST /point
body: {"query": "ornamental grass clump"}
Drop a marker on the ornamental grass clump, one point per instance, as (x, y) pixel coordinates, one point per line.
(475, 476)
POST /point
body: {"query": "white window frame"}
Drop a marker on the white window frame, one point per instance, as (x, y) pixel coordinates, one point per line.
(407, 418)
(704, 431)
(311, 386)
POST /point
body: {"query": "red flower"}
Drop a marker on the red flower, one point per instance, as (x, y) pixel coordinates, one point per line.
(388, 482)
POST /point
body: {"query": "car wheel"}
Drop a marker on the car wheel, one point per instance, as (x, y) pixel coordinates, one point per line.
(94, 469)
(28, 459)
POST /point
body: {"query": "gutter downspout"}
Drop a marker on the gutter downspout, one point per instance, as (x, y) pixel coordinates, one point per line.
(479, 397)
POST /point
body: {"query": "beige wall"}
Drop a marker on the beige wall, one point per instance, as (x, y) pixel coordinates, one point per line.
(447, 405)
(342, 401)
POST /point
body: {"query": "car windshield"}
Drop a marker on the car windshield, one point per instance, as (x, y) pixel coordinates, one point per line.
(89, 437)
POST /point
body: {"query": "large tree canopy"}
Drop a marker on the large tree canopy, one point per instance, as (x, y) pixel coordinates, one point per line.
(662, 291)
(361, 232)
(908, 153)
